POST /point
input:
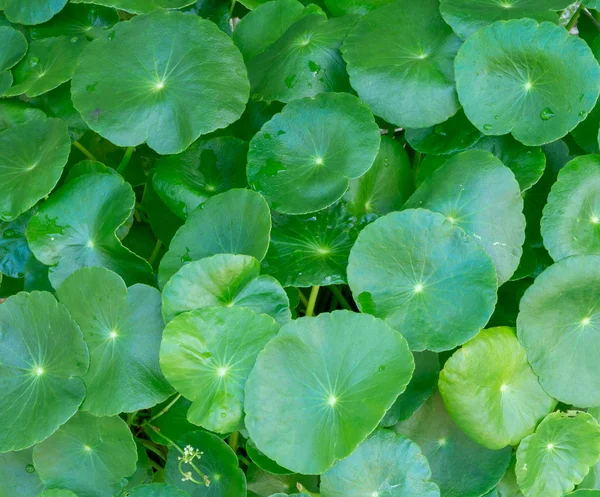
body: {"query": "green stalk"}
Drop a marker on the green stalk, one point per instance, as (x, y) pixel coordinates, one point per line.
(340, 297)
(312, 300)
(574, 18)
(234, 440)
(84, 151)
(151, 260)
(125, 161)
(166, 408)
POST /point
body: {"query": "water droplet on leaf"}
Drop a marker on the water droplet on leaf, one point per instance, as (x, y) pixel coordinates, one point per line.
(547, 114)
(487, 127)
(34, 61)
(29, 468)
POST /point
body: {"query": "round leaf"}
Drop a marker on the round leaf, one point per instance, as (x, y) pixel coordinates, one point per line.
(532, 80)
(558, 325)
(323, 384)
(31, 11)
(143, 82)
(157, 490)
(123, 329)
(218, 462)
(139, 6)
(305, 61)
(18, 475)
(571, 221)
(67, 238)
(558, 455)
(90, 456)
(225, 280)
(386, 186)
(42, 357)
(476, 192)
(491, 392)
(303, 158)
(48, 64)
(440, 285)
(467, 16)
(311, 249)
(207, 355)
(263, 462)
(14, 251)
(459, 466)
(29, 173)
(206, 168)
(358, 7)
(401, 62)
(385, 463)
(234, 222)
(14, 112)
(14, 47)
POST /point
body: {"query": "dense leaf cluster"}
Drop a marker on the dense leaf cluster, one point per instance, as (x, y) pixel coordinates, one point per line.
(348, 248)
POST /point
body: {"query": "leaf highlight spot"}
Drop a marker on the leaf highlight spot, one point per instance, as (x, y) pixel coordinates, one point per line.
(442, 442)
(528, 86)
(319, 161)
(585, 321)
(222, 372)
(159, 86)
(418, 288)
(595, 220)
(113, 334)
(87, 448)
(451, 219)
(90, 244)
(39, 371)
(550, 446)
(503, 387)
(332, 400)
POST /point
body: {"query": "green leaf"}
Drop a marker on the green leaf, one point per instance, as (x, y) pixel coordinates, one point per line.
(31, 11)
(454, 135)
(303, 158)
(6, 80)
(225, 280)
(262, 27)
(157, 490)
(142, 82)
(386, 186)
(491, 392)
(459, 466)
(440, 285)
(323, 384)
(89, 21)
(123, 329)
(422, 386)
(163, 222)
(206, 168)
(585, 493)
(18, 475)
(263, 462)
(385, 463)
(207, 355)
(218, 462)
(14, 112)
(42, 357)
(14, 251)
(358, 7)
(28, 173)
(311, 249)
(67, 239)
(468, 16)
(558, 455)
(532, 80)
(90, 456)
(139, 6)
(14, 47)
(304, 62)
(571, 221)
(57, 492)
(412, 85)
(57, 103)
(234, 222)
(476, 192)
(49, 63)
(558, 325)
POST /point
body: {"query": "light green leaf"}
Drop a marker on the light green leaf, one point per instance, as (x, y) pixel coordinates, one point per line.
(18, 476)
(49, 63)
(31, 11)
(28, 173)
(123, 329)
(90, 456)
(440, 285)
(14, 47)
(358, 7)
(234, 222)
(532, 80)
(68, 238)
(558, 455)
(303, 158)
(491, 392)
(558, 325)
(263, 462)
(385, 463)
(57, 492)
(323, 384)
(401, 62)
(42, 357)
(225, 280)
(476, 192)
(206, 168)
(139, 6)
(142, 82)
(157, 490)
(311, 249)
(459, 466)
(571, 221)
(207, 355)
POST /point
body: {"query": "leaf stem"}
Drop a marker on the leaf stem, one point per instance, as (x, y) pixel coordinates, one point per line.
(131, 417)
(156, 466)
(340, 297)
(592, 18)
(302, 298)
(233, 2)
(302, 488)
(125, 160)
(312, 300)
(574, 18)
(234, 440)
(151, 260)
(150, 446)
(167, 407)
(84, 151)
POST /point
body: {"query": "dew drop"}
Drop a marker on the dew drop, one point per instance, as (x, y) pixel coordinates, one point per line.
(11, 233)
(381, 368)
(74, 39)
(111, 35)
(583, 113)
(92, 87)
(223, 415)
(496, 116)
(440, 130)
(6, 216)
(547, 114)
(487, 127)
(34, 61)
(29, 468)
